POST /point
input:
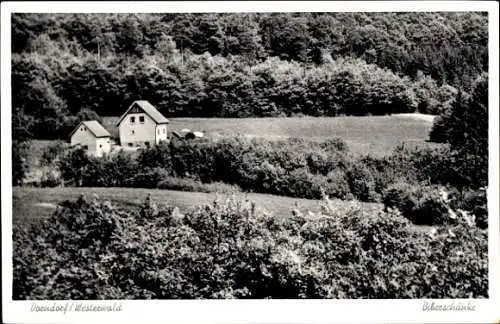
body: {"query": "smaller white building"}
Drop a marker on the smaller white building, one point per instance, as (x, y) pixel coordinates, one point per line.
(92, 136)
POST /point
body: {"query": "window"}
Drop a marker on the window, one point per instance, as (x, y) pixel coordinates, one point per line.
(147, 144)
(132, 119)
(86, 147)
(130, 144)
(141, 119)
(164, 130)
(132, 132)
(100, 145)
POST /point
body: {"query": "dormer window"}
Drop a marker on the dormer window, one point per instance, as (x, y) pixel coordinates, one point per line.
(132, 119)
(141, 119)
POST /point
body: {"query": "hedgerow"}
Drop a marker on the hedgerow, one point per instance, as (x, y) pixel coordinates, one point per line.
(292, 167)
(90, 249)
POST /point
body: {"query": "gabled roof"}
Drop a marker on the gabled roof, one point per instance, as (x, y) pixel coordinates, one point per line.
(148, 109)
(94, 127)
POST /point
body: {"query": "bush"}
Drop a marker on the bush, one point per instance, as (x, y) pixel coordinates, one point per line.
(233, 249)
(423, 205)
(361, 183)
(52, 153)
(381, 170)
(439, 131)
(78, 168)
(50, 178)
(399, 195)
(149, 178)
(430, 209)
(182, 184)
(301, 183)
(255, 164)
(474, 202)
(72, 164)
(440, 165)
(336, 185)
(292, 167)
(19, 161)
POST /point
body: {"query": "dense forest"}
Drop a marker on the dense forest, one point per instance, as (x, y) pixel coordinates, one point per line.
(68, 67)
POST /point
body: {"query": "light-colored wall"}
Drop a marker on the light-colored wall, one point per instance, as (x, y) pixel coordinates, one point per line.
(83, 136)
(145, 132)
(95, 146)
(103, 146)
(161, 133)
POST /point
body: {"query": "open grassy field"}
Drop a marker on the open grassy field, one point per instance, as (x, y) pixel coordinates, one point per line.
(32, 204)
(377, 135)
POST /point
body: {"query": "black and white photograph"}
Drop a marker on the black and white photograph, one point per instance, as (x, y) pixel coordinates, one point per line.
(325, 155)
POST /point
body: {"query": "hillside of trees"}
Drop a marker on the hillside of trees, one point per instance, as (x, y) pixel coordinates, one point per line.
(69, 67)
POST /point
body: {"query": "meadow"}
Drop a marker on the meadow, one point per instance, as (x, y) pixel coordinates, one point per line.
(30, 205)
(377, 135)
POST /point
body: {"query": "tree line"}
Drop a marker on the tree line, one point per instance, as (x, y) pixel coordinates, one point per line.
(69, 67)
(448, 46)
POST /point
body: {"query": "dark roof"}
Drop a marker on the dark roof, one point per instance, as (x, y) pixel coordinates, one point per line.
(94, 127)
(149, 109)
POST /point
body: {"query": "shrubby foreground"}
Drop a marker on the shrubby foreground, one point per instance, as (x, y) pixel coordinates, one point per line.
(91, 249)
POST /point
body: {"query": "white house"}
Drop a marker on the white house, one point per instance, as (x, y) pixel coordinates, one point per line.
(142, 124)
(93, 137)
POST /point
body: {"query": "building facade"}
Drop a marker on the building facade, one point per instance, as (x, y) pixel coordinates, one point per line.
(93, 137)
(142, 125)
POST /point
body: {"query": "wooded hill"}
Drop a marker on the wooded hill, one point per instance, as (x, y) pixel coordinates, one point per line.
(67, 67)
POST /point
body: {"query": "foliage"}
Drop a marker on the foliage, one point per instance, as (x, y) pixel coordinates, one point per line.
(149, 177)
(50, 178)
(465, 125)
(19, 163)
(450, 47)
(52, 153)
(183, 184)
(473, 202)
(465, 128)
(233, 249)
(21, 134)
(423, 205)
(242, 64)
(293, 167)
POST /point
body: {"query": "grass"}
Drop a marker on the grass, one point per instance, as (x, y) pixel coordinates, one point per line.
(32, 204)
(377, 135)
